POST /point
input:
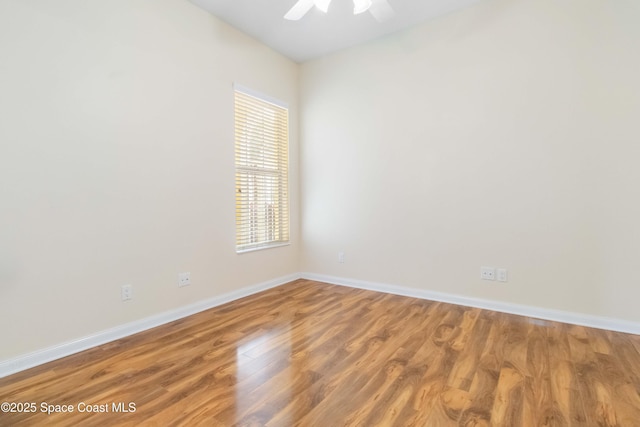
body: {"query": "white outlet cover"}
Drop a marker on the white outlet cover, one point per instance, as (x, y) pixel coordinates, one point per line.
(487, 273)
(502, 275)
(184, 279)
(126, 292)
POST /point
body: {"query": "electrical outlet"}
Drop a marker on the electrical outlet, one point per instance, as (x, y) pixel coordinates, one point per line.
(341, 257)
(487, 273)
(184, 279)
(126, 292)
(502, 275)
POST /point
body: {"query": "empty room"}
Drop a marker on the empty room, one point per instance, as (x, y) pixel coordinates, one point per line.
(320, 212)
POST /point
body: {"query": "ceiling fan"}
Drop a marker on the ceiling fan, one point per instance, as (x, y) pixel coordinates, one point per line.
(380, 9)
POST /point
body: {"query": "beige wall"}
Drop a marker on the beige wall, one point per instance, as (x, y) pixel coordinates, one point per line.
(503, 135)
(116, 163)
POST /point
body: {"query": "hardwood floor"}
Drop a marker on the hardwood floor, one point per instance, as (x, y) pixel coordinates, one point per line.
(313, 354)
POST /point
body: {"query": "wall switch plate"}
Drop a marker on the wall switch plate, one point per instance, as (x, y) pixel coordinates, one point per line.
(126, 292)
(487, 273)
(502, 275)
(184, 279)
(341, 257)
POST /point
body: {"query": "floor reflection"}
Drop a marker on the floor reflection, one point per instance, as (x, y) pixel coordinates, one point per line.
(264, 374)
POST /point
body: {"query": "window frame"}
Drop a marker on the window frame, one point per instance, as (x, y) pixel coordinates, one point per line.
(282, 224)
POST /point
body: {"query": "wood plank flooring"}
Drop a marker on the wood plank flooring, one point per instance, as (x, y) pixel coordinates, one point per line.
(313, 354)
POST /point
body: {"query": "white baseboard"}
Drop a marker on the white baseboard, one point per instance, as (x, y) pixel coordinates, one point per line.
(598, 322)
(20, 363)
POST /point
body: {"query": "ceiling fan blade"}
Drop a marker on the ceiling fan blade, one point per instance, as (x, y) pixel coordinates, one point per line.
(360, 6)
(323, 5)
(381, 10)
(299, 10)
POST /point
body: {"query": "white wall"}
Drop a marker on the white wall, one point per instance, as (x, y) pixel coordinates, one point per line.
(503, 135)
(116, 163)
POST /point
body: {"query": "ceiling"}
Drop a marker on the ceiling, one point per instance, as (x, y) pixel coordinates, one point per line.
(318, 34)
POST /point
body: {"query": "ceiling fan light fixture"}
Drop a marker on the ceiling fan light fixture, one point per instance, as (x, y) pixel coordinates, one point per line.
(323, 5)
(360, 6)
(379, 9)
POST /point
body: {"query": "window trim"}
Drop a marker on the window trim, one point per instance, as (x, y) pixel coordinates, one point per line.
(266, 98)
(280, 104)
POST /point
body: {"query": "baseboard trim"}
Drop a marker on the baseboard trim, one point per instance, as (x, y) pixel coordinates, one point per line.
(30, 360)
(591, 321)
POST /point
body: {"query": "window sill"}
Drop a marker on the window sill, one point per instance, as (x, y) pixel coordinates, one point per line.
(259, 248)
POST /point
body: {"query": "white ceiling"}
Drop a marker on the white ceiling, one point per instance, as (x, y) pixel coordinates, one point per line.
(317, 34)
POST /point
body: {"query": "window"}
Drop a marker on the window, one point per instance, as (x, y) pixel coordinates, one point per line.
(262, 161)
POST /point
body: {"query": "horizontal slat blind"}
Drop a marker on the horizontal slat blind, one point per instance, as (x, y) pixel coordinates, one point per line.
(262, 161)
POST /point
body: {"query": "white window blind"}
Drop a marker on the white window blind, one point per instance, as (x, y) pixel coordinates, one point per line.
(262, 161)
